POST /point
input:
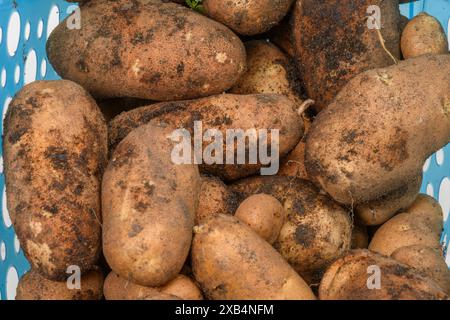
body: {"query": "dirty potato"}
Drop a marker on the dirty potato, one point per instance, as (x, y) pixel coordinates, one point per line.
(231, 262)
(147, 49)
(354, 277)
(149, 206)
(55, 150)
(33, 286)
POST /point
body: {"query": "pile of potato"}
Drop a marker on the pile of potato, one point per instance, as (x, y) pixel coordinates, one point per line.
(91, 182)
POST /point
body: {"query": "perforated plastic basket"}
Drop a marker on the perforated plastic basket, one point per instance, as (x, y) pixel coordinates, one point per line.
(24, 28)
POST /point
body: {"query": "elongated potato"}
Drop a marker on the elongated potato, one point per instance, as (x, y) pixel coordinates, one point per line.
(334, 43)
(364, 275)
(421, 224)
(158, 50)
(269, 70)
(247, 113)
(376, 135)
(429, 261)
(248, 17)
(316, 231)
(423, 35)
(231, 262)
(32, 286)
(149, 206)
(55, 149)
(118, 288)
(378, 211)
(214, 199)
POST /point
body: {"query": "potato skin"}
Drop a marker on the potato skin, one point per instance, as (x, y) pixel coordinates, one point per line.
(32, 286)
(214, 198)
(347, 279)
(222, 112)
(316, 231)
(149, 206)
(249, 17)
(333, 43)
(269, 70)
(264, 214)
(423, 35)
(118, 288)
(429, 261)
(146, 44)
(231, 262)
(385, 136)
(55, 149)
(380, 210)
(421, 224)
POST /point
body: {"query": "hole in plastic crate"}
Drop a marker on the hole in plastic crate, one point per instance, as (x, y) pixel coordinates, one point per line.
(43, 68)
(17, 74)
(430, 190)
(12, 279)
(3, 251)
(30, 67)
(16, 244)
(6, 106)
(6, 217)
(40, 28)
(426, 166)
(3, 78)
(440, 157)
(26, 32)
(1, 164)
(13, 35)
(53, 19)
(444, 197)
(1, 35)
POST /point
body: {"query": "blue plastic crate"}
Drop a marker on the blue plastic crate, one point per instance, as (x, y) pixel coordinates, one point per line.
(24, 28)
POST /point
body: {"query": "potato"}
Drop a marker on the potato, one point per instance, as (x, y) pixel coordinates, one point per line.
(378, 211)
(214, 199)
(423, 35)
(55, 149)
(157, 50)
(182, 287)
(360, 236)
(269, 70)
(149, 206)
(316, 231)
(421, 224)
(427, 260)
(352, 277)
(376, 135)
(223, 112)
(264, 214)
(294, 164)
(33, 286)
(333, 43)
(247, 17)
(231, 262)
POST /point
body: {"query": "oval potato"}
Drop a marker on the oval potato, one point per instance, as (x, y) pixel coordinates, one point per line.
(248, 17)
(348, 279)
(149, 206)
(32, 286)
(376, 135)
(224, 113)
(158, 50)
(231, 262)
(55, 151)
